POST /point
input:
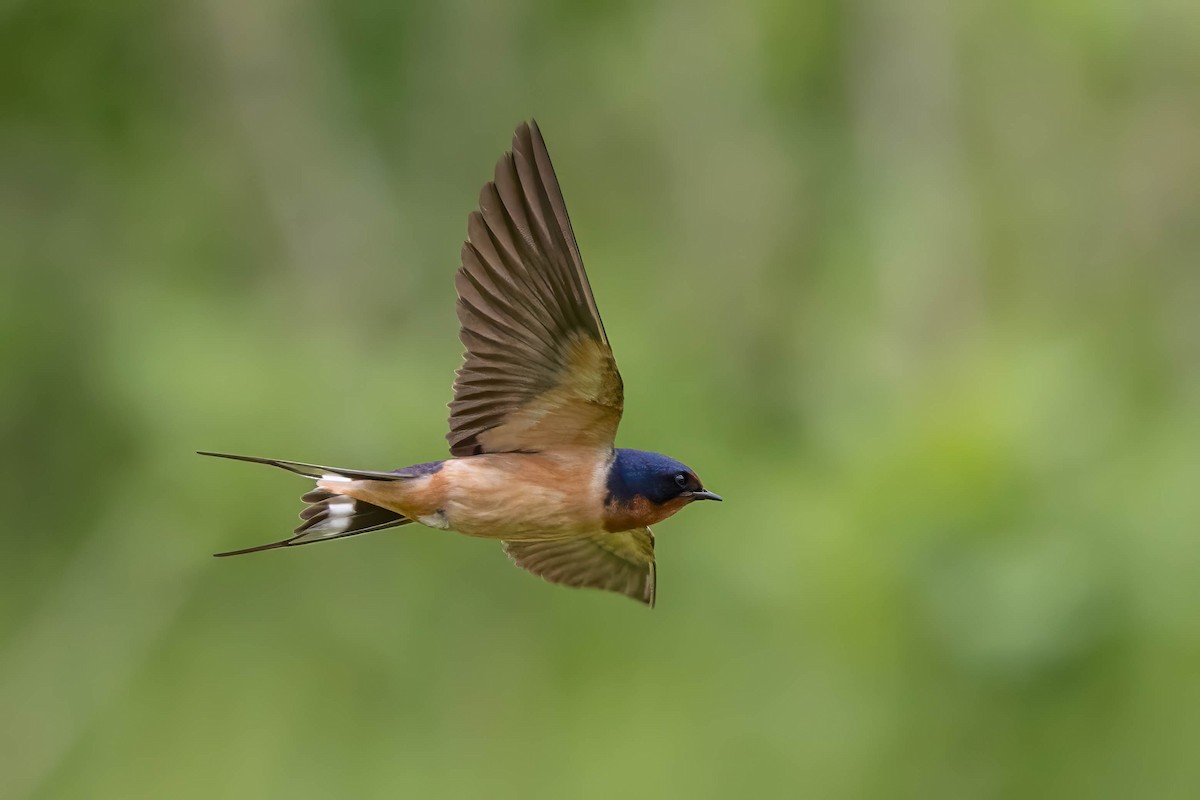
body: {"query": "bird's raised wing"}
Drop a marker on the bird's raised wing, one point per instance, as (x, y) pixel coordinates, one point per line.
(538, 372)
(616, 562)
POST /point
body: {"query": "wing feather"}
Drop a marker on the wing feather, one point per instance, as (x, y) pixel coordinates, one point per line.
(616, 562)
(538, 371)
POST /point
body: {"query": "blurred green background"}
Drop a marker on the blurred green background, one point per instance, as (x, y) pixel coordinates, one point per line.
(915, 286)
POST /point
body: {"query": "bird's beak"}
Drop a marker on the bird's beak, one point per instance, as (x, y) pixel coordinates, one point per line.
(703, 495)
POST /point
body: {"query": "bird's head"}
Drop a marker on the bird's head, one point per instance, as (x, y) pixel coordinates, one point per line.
(645, 488)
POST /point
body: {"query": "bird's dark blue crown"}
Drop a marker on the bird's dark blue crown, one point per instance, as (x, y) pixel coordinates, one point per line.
(637, 473)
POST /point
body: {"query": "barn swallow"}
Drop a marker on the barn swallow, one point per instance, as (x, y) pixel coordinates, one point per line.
(536, 406)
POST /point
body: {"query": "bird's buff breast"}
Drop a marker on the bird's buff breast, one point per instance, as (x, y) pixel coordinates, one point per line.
(515, 495)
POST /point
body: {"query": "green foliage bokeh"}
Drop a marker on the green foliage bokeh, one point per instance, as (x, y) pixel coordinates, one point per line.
(915, 286)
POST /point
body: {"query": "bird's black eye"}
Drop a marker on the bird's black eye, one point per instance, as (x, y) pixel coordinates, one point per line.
(681, 481)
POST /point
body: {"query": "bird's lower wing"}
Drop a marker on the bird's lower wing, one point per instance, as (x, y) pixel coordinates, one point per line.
(616, 562)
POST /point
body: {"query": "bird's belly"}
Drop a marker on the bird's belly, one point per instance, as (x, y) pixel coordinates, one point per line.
(524, 509)
(539, 499)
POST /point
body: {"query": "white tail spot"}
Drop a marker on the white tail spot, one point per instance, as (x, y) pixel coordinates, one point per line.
(337, 518)
(341, 508)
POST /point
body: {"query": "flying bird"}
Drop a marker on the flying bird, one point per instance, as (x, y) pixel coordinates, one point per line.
(536, 406)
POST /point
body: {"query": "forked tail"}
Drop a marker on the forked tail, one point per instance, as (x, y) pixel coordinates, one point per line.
(328, 515)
